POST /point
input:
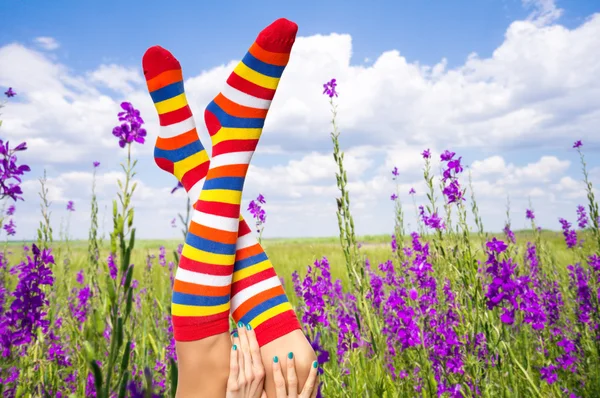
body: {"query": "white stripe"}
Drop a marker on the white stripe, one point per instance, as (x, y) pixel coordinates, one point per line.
(202, 279)
(231, 158)
(194, 193)
(245, 241)
(217, 222)
(239, 97)
(251, 291)
(176, 129)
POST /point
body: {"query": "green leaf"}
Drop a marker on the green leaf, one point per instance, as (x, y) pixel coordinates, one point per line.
(174, 374)
(97, 376)
(125, 360)
(123, 387)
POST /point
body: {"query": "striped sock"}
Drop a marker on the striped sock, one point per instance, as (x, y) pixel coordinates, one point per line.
(234, 120)
(257, 290)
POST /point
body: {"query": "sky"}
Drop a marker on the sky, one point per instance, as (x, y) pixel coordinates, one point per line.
(508, 85)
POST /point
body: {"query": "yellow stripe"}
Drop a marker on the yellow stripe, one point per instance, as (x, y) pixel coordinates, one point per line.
(222, 196)
(254, 77)
(270, 313)
(249, 271)
(172, 104)
(192, 310)
(228, 133)
(207, 257)
(185, 165)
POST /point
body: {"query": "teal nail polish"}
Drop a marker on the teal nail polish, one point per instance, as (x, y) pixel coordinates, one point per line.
(236, 335)
(234, 347)
(249, 327)
(275, 359)
(315, 364)
(240, 325)
(291, 355)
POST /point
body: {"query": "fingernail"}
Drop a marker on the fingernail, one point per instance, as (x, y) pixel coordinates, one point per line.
(275, 359)
(235, 334)
(234, 347)
(291, 355)
(315, 364)
(240, 325)
(249, 327)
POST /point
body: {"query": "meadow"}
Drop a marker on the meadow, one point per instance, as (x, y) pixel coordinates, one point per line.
(447, 310)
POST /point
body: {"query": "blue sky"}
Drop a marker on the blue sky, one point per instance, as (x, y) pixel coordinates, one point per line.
(409, 79)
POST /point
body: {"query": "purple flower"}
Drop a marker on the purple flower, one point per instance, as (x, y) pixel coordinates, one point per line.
(394, 196)
(548, 374)
(10, 92)
(174, 222)
(9, 171)
(394, 244)
(179, 185)
(329, 88)
(11, 210)
(426, 154)
(131, 130)
(257, 211)
(26, 314)
(529, 214)
(582, 219)
(112, 267)
(510, 235)
(261, 199)
(395, 172)
(569, 234)
(10, 228)
(580, 280)
(447, 156)
(577, 144)
(96, 164)
(432, 221)
(412, 191)
(70, 206)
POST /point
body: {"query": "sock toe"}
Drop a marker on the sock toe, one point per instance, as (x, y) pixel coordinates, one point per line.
(278, 37)
(157, 60)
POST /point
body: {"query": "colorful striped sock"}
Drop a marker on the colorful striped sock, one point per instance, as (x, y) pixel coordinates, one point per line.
(258, 293)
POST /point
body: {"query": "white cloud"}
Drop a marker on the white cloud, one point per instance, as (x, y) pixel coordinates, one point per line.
(543, 12)
(47, 43)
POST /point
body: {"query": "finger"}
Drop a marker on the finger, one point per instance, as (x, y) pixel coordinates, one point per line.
(309, 386)
(316, 389)
(232, 382)
(292, 379)
(245, 348)
(278, 378)
(257, 364)
(240, 359)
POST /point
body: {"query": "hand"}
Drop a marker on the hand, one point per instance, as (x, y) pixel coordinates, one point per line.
(310, 387)
(246, 371)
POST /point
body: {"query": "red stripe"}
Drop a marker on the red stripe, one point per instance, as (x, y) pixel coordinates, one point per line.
(240, 285)
(234, 146)
(165, 164)
(204, 268)
(250, 88)
(194, 175)
(191, 328)
(243, 229)
(278, 326)
(218, 208)
(179, 115)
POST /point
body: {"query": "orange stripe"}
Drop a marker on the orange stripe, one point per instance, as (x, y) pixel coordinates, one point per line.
(178, 141)
(279, 59)
(164, 79)
(248, 252)
(234, 170)
(216, 235)
(256, 300)
(200, 290)
(237, 110)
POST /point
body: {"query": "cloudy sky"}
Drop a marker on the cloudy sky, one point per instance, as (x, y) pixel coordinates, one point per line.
(507, 84)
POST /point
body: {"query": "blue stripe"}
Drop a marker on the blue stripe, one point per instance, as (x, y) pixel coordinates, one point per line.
(175, 155)
(231, 183)
(250, 261)
(262, 67)
(167, 92)
(231, 121)
(262, 307)
(204, 301)
(209, 245)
